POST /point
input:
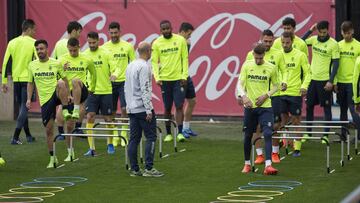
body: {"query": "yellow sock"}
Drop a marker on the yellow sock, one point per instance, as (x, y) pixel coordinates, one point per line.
(297, 145)
(110, 139)
(124, 133)
(91, 140)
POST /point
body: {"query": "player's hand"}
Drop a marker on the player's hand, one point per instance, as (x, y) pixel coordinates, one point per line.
(303, 92)
(246, 101)
(4, 88)
(28, 104)
(149, 117)
(329, 86)
(240, 101)
(113, 78)
(66, 66)
(260, 100)
(283, 86)
(336, 89)
(313, 27)
(159, 82)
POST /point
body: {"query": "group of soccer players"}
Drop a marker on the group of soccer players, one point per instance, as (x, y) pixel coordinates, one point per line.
(277, 75)
(93, 81)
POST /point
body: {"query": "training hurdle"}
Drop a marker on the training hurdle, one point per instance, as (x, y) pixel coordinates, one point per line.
(309, 138)
(330, 127)
(337, 122)
(91, 135)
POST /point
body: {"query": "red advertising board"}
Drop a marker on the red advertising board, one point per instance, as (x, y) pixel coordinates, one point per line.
(225, 32)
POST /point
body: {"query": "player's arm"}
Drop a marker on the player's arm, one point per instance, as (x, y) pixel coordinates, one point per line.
(5, 66)
(185, 59)
(131, 53)
(92, 71)
(308, 33)
(305, 66)
(145, 87)
(284, 73)
(335, 55)
(30, 89)
(241, 88)
(155, 62)
(275, 86)
(356, 75)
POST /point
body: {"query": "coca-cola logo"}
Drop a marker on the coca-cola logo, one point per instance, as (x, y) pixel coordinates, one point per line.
(225, 22)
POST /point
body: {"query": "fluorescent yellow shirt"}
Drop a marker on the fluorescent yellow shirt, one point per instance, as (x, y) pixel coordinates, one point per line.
(356, 81)
(101, 60)
(349, 51)
(298, 66)
(170, 58)
(275, 57)
(322, 54)
(45, 75)
(20, 51)
(122, 53)
(298, 43)
(60, 48)
(78, 68)
(257, 79)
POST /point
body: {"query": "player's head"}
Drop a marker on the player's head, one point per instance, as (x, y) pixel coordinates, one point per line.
(289, 25)
(267, 38)
(347, 31)
(287, 41)
(28, 27)
(93, 40)
(186, 29)
(323, 29)
(166, 29)
(144, 50)
(41, 47)
(114, 32)
(74, 29)
(73, 46)
(259, 53)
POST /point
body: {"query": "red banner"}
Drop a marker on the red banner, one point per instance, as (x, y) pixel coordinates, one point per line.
(224, 33)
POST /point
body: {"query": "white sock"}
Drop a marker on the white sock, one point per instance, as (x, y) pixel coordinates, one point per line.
(69, 150)
(186, 124)
(267, 163)
(275, 149)
(247, 162)
(76, 107)
(259, 151)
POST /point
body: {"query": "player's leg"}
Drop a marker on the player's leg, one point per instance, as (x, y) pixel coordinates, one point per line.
(266, 117)
(76, 93)
(250, 123)
(295, 106)
(179, 99)
(167, 96)
(123, 113)
(311, 101)
(134, 140)
(20, 97)
(276, 107)
(342, 100)
(325, 102)
(106, 112)
(190, 96)
(92, 106)
(260, 158)
(60, 121)
(115, 98)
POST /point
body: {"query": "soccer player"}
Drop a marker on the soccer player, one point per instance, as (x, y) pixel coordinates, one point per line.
(170, 66)
(324, 66)
(76, 66)
(298, 81)
(44, 72)
(349, 51)
(73, 30)
(289, 25)
(185, 30)
(122, 53)
(141, 112)
(19, 52)
(101, 99)
(254, 90)
(275, 57)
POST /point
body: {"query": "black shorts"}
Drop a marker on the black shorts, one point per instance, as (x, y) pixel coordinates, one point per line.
(276, 106)
(316, 94)
(118, 91)
(48, 110)
(291, 104)
(172, 92)
(255, 116)
(190, 89)
(84, 93)
(99, 103)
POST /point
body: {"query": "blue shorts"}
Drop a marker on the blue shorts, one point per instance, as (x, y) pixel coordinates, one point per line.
(276, 106)
(99, 103)
(291, 104)
(48, 110)
(172, 92)
(255, 116)
(190, 89)
(316, 94)
(118, 91)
